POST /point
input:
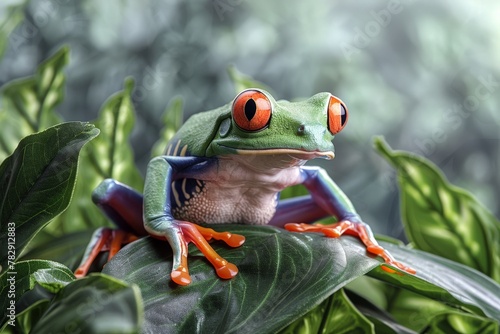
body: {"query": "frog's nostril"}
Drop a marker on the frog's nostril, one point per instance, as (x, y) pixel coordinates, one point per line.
(301, 130)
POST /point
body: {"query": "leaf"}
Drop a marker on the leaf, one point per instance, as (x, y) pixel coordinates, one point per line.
(335, 315)
(411, 309)
(26, 319)
(29, 103)
(282, 276)
(405, 308)
(12, 16)
(458, 322)
(94, 304)
(382, 320)
(108, 156)
(172, 121)
(443, 219)
(242, 81)
(67, 249)
(444, 280)
(36, 183)
(293, 191)
(20, 278)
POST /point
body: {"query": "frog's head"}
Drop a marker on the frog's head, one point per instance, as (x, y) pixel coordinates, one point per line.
(255, 123)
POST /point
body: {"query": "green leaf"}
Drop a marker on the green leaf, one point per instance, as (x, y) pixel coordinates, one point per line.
(293, 191)
(335, 315)
(29, 103)
(27, 318)
(242, 81)
(67, 249)
(382, 320)
(407, 308)
(10, 19)
(459, 322)
(172, 121)
(443, 219)
(108, 156)
(94, 304)
(411, 309)
(282, 276)
(443, 280)
(36, 183)
(21, 278)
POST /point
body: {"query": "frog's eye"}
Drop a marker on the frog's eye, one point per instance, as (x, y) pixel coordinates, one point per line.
(251, 110)
(337, 115)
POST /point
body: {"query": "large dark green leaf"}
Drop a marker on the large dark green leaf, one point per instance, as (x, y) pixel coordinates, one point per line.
(443, 219)
(29, 103)
(36, 183)
(24, 275)
(282, 276)
(108, 156)
(94, 304)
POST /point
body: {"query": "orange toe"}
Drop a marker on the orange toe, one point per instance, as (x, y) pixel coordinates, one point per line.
(227, 271)
(375, 249)
(180, 276)
(234, 240)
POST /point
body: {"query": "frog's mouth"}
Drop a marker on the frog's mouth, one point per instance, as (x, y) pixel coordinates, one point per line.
(298, 154)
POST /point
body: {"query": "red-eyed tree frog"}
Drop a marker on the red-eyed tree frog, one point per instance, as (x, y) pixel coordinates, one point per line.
(229, 165)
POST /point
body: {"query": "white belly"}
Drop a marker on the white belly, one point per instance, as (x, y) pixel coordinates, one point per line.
(237, 192)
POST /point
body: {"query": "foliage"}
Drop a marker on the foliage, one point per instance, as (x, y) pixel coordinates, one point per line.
(443, 219)
(41, 170)
(287, 282)
(108, 156)
(28, 104)
(172, 120)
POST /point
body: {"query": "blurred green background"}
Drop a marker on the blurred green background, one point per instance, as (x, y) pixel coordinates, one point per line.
(424, 74)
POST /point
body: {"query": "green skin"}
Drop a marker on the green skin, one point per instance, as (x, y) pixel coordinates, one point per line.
(213, 172)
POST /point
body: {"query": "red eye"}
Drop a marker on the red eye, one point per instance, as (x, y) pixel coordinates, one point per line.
(337, 115)
(251, 110)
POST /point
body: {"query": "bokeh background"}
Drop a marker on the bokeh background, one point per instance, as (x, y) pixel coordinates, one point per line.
(425, 74)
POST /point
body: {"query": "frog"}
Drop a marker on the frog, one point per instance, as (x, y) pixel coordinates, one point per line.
(229, 165)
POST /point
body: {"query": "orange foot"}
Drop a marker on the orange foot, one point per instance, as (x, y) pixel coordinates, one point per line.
(359, 230)
(104, 239)
(199, 236)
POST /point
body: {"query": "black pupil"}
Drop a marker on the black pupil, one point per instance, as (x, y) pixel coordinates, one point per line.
(343, 115)
(250, 109)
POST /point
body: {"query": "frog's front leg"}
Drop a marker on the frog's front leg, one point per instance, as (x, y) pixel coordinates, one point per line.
(160, 223)
(327, 199)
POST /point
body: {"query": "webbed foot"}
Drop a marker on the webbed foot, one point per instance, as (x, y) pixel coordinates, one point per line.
(103, 239)
(360, 230)
(199, 236)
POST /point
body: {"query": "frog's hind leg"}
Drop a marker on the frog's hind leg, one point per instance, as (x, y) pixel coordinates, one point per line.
(298, 214)
(103, 239)
(123, 206)
(301, 209)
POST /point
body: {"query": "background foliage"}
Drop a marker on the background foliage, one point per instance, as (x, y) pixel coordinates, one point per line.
(423, 73)
(445, 295)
